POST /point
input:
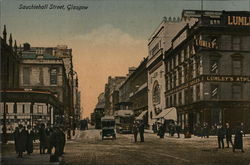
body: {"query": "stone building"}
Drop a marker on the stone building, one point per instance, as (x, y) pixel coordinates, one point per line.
(158, 44)
(9, 62)
(208, 72)
(25, 97)
(133, 91)
(111, 94)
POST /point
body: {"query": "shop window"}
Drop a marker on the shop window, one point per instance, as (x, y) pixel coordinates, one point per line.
(39, 109)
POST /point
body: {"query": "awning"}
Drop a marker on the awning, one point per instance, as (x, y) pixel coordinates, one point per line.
(140, 117)
(169, 113)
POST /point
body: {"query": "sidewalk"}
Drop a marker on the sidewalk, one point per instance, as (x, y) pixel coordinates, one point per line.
(33, 159)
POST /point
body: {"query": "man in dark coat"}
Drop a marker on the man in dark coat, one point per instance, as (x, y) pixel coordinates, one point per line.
(15, 137)
(228, 131)
(220, 136)
(135, 130)
(161, 132)
(30, 138)
(178, 129)
(20, 138)
(141, 130)
(42, 139)
(238, 140)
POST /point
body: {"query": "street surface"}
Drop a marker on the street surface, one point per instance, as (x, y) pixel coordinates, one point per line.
(89, 149)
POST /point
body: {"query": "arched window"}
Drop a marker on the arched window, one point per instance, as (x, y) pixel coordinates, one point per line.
(156, 93)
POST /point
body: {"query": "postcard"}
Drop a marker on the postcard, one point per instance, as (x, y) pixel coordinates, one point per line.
(119, 82)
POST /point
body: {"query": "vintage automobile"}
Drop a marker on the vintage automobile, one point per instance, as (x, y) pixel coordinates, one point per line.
(108, 127)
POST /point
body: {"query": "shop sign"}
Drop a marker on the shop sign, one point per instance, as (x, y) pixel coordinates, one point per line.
(238, 20)
(207, 44)
(227, 78)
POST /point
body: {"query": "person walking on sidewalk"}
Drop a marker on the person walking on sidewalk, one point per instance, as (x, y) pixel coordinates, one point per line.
(42, 138)
(238, 140)
(141, 130)
(228, 135)
(135, 130)
(178, 129)
(30, 139)
(220, 136)
(21, 138)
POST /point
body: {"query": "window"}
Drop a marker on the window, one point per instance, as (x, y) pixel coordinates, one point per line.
(186, 96)
(214, 66)
(156, 93)
(236, 92)
(214, 91)
(198, 95)
(26, 75)
(191, 72)
(236, 43)
(237, 68)
(180, 98)
(39, 109)
(185, 73)
(198, 66)
(53, 76)
(191, 96)
(179, 76)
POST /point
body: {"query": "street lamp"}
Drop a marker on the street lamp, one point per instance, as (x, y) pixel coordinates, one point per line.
(72, 108)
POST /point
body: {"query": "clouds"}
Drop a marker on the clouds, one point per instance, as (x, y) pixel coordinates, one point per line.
(102, 52)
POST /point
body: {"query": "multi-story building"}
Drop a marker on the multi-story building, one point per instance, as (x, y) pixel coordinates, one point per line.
(111, 94)
(208, 72)
(133, 91)
(32, 87)
(158, 44)
(65, 54)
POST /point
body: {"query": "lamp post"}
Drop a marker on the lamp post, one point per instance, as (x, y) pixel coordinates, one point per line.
(72, 108)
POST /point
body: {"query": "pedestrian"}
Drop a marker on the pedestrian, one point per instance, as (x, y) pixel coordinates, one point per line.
(15, 138)
(206, 130)
(141, 130)
(154, 127)
(178, 129)
(242, 127)
(42, 138)
(21, 139)
(62, 141)
(228, 131)
(220, 136)
(48, 142)
(135, 130)
(30, 139)
(161, 132)
(238, 140)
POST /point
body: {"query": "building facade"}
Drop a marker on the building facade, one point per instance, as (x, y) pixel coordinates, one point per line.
(158, 44)
(133, 91)
(208, 72)
(111, 94)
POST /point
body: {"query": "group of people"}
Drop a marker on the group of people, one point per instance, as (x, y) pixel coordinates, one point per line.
(162, 128)
(227, 133)
(23, 140)
(138, 127)
(49, 138)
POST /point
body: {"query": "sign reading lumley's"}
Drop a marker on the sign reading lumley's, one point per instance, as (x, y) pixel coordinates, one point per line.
(226, 78)
(238, 20)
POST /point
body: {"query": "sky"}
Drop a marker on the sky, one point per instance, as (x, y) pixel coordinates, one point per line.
(106, 38)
